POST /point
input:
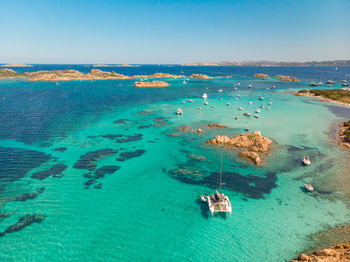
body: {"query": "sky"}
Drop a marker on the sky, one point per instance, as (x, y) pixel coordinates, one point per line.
(172, 32)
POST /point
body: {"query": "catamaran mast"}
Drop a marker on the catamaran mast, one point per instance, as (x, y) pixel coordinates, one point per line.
(220, 173)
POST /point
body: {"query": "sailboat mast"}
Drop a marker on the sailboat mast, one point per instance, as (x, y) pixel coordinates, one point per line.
(220, 173)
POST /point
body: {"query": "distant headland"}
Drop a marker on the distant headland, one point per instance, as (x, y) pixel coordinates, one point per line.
(16, 65)
(122, 65)
(272, 63)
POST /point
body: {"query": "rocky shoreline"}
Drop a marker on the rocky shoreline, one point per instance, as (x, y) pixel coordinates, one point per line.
(344, 134)
(308, 93)
(335, 253)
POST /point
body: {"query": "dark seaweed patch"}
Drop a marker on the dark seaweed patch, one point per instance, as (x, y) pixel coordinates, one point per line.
(15, 163)
(88, 161)
(54, 170)
(128, 155)
(61, 149)
(121, 121)
(129, 138)
(99, 173)
(249, 185)
(144, 126)
(23, 222)
(28, 196)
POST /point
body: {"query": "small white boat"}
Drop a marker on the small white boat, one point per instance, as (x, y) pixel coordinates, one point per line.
(306, 161)
(204, 198)
(56, 83)
(206, 103)
(247, 114)
(221, 99)
(250, 86)
(235, 88)
(250, 102)
(320, 83)
(205, 96)
(331, 82)
(273, 87)
(220, 90)
(269, 103)
(256, 116)
(228, 104)
(236, 98)
(312, 83)
(179, 111)
(268, 108)
(309, 187)
(239, 84)
(238, 95)
(240, 108)
(184, 82)
(190, 100)
(183, 102)
(247, 129)
(262, 106)
(199, 108)
(261, 98)
(237, 117)
(257, 111)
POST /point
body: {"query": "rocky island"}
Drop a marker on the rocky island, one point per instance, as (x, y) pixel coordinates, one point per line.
(67, 75)
(344, 135)
(159, 75)
(151, 84)
(333, 254)
(8, 73)
(249, 145)
(286, 78)
(200, 76)
(16, 65)
(261, 75)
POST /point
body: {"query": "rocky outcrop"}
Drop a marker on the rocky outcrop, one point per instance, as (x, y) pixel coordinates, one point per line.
(213, 125)
(16, 65)
(332, 254)
(252, 156)
(250, 145)
(200, 76)
(344, 135)
(67, 75)
(151, 84)
(261, 75)
(160, 75)
(286, 78)
(8, 73)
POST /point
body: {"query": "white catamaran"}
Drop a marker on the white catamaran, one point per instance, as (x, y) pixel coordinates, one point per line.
(218, 202)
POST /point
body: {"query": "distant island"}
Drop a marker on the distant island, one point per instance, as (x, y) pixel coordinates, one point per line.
(16, 65)
(272, 63)
(122, 65)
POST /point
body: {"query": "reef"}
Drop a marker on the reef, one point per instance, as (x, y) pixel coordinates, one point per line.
(286, 78)
(212, 125)
(253, 144)
(55, 170)
(200, 76)
(23, 222)
(151, 84)
(88, 161)
(99, 173)
(333, 254)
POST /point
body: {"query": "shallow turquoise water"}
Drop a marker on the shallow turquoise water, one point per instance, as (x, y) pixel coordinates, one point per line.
(145, 211)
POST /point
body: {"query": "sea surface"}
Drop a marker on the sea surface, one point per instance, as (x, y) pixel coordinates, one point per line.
(101, 171)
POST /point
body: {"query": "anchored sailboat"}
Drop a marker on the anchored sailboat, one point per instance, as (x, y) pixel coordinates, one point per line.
(218, 202)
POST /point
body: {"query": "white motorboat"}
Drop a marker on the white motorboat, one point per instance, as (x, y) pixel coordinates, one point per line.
(247, 129)
(250, 102)
(218, 202)
(228, 104)
(179, 111)
(190, 100)
(306, 161)
(309, 187)
(273, 87)
(204, 198)
(261, 98)
(240, 108)
(220, 90)
(250, 86)
(256, 116)
(269, 103)
(237, 117)
(320, 83)
(312, 83)
(331, 82)
(247, 114)
(205, 96)
(257, 111)
(206, 103)
(184, 82)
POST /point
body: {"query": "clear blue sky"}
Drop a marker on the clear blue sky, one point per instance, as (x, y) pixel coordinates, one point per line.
(106, 31)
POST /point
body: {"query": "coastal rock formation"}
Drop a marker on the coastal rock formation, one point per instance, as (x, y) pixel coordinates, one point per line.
(200, 64)
(261, 75)
(67, 75)
(200, 76)
(254, 143)
(151, 84)
(344, 136)
(160, 75)
(332, 254)
(16, 65)
(339, 96)
(286, 78)
(8, 73)
(213, 125)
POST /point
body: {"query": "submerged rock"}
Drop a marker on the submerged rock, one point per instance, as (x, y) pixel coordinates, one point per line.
(213, 125)
(23, 222)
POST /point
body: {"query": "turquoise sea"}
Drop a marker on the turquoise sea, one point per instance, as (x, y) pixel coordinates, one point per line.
(101, 171)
